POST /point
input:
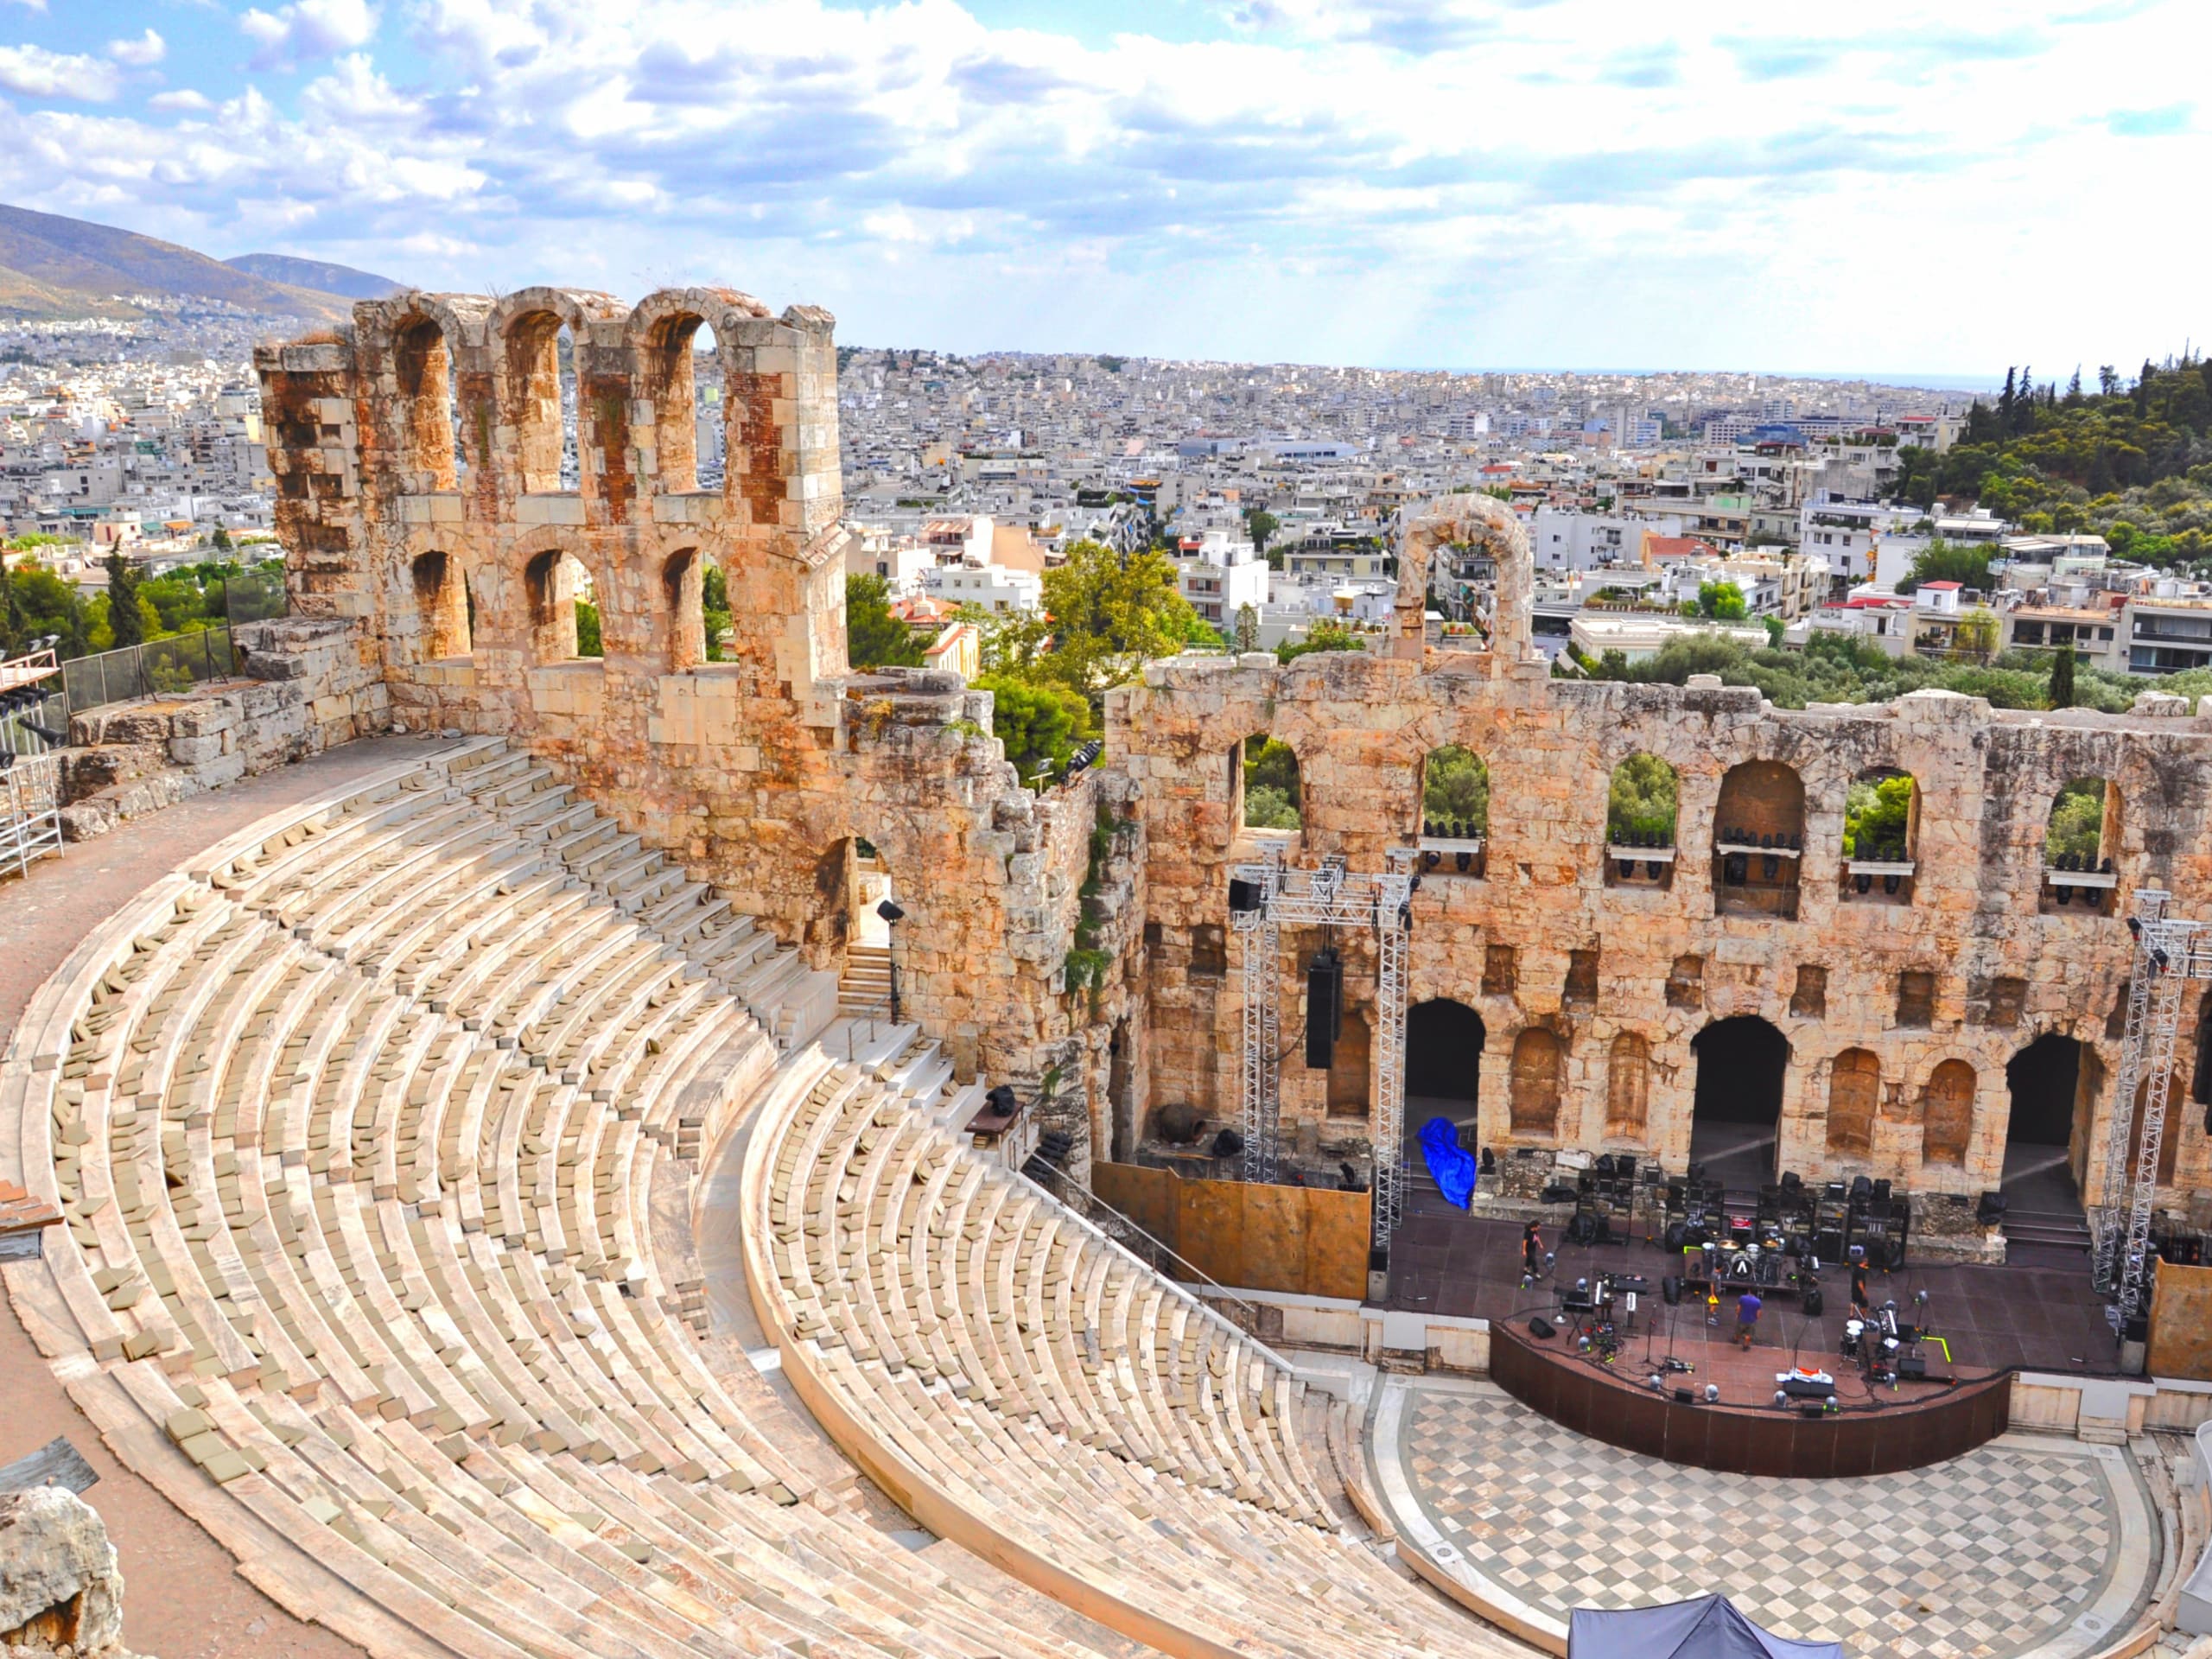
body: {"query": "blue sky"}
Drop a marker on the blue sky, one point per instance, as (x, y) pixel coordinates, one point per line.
(1896, 185)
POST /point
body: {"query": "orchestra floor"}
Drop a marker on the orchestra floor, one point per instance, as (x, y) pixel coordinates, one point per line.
(2037, 1312)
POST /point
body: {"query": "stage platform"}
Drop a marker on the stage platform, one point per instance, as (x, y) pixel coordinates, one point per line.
(2037, 1312)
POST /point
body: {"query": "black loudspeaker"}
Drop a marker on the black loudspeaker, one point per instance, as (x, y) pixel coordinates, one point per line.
(1913, 1368)
(1827, 1244)
(1670, 1289)
(1244, 896)
(1815, 1301)
(1684, 1396)
(1892, 1254)
(1540, 1328)
(1583, 1230)
(1324, 1007)
(1677, 1234)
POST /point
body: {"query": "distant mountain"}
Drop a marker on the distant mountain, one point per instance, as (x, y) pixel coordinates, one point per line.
(318, 274)
(56, 267)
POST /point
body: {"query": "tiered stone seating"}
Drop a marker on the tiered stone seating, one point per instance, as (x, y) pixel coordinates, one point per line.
(359, 1131)
(1024, 1386)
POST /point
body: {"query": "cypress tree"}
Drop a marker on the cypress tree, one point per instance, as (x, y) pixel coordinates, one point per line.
(2062, 678)
(122, 601)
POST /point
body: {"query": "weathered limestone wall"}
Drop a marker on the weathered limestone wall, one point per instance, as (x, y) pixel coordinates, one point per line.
(1998, 970)
(418, 460)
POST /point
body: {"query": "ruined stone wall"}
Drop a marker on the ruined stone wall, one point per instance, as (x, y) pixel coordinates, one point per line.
(1593, 992)
(419, 461)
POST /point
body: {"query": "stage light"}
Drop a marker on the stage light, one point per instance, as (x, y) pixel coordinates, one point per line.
(2161, 959)
(1712, 1394)
(2135, 926)
(890, 913)
(1463, 859)
(1781, 1399)
(1432, 858)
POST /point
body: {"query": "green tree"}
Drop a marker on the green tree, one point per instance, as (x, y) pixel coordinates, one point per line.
(1877, 816)
(15, 626)
(874, 636)
(1774, 631)
(1721, 601)
(587, 640)
(1040, 721)
(125, 623)
(1247, 628)
(1262, 526)
(714, 608)
(1105, 616)
(222, 538)
(2062, 678)
(1940, 560)
(2077, 821)
(1455, 789)
(1976, 635)
(1642, 800)
(1272, 790)
(1328, 634)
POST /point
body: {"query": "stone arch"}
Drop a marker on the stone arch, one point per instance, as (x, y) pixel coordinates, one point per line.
(1855, 1099)
(539, 396)
(1628, 1087)
(1467, 520)
(1881, 827)
(427, 427)
(682, 588)
(442, 606)
(662, 333)
(552, 582)
(1758, 837)
(1947, 1113)
(1642, 806)
(1537, 1082)
(2169, 1134)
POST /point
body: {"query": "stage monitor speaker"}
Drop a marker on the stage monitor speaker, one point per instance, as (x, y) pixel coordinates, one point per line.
(1684, 1396)
(1540, 1328)
(1325, 1008)
(1913, 1368)
(1244, 896)
(1670, 1290)
(1814, 1302)
(1827, 1244)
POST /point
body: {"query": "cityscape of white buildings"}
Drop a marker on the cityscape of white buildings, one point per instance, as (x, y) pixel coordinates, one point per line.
(1274, 488)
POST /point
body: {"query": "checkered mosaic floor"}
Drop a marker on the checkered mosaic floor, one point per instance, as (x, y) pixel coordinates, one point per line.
(1989, 1555)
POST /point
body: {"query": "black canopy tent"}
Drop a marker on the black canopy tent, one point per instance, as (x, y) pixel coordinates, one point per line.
(1709, 1627)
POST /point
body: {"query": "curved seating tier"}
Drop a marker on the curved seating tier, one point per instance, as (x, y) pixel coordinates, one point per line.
(359, 1129)
(1026, 1387)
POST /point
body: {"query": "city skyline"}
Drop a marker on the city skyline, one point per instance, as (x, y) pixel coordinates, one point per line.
(1269, 180)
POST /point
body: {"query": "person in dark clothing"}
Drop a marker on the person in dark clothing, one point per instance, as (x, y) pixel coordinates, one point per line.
(1532, 1249)
(1859, 1294)
(1747, 1317)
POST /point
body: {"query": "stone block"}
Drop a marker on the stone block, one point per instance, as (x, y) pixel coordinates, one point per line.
(196, 751)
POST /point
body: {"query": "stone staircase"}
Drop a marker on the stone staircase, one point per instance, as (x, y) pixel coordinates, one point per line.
(2050, 1228)
(865, 988)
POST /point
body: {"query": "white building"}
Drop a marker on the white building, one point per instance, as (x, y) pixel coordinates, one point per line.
(989, 587)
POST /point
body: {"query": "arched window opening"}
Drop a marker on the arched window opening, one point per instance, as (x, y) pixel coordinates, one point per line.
(1274, 795)
(2079, 840)
(2052, 1084)
(542, 384)
(683, 592)
(430, 426)
(686, 391)
(442, 610)
(1855, 1096)
(1454, 811)
(1742, 1065)
(1627, 1087)
(1538, 1063)
(1758, 840)
(1881, 825)
(1947, 1114)
(1642, 802)
(564, 618)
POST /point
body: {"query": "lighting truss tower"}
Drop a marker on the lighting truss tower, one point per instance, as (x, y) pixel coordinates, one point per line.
(1332, 896)
(2169, 955)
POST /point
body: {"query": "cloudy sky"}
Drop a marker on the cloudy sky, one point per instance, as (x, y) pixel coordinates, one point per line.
(1888, 186)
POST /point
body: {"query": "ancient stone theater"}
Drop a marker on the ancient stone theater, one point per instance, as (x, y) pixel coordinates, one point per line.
(669, 1151)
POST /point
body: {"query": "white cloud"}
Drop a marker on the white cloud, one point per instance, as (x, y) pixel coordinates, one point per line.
(1388, 180)
(36, 73)
(144, 52)
(309, 29)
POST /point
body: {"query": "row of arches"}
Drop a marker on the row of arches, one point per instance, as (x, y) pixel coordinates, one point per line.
(675, 374)
(1742, 1064)
(1758, 827)
(561, 608)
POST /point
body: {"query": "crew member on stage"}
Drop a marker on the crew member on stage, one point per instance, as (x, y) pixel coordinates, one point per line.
(1859, 1295)
(1747, 1317)
(1532, 1249)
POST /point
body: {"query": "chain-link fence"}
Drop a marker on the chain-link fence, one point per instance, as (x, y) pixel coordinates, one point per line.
(166, 666)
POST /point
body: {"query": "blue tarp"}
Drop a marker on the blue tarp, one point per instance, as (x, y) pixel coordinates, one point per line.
(1451, 1165)
(1709, 1627)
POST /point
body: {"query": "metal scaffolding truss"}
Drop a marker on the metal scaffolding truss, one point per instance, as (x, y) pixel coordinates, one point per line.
(1332, 896)
(30, 811)
(2169, 955)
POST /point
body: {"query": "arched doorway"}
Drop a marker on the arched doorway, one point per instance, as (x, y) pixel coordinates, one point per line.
(1736, 1115)
(1443, 1064)
(855, 880)
(2041, 1202)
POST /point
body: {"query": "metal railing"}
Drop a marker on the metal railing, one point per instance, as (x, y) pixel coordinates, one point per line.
(158, 668)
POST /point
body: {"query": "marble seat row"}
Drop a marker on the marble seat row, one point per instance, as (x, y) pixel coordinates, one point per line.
(1027, 1387)
(359, 1131)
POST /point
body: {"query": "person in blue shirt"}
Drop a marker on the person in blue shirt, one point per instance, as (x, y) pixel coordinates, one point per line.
(1747, 1317)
